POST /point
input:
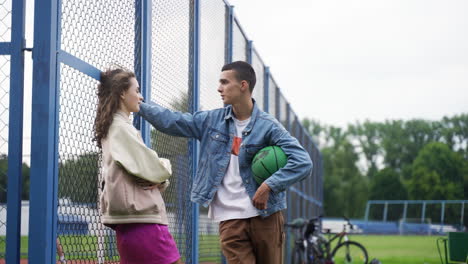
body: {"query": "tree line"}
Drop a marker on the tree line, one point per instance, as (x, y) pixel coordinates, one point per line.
(392, 160)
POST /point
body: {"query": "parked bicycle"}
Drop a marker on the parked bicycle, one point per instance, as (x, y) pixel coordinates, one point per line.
(312, 247)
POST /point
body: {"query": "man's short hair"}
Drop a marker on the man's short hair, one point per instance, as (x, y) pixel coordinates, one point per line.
(244, 72)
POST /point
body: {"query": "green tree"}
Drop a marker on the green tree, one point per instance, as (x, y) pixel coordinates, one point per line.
(25, 171)
(345, 188)
(386, 185)
(437, 174)
(368, 136)
(454, 132)
(78, 178)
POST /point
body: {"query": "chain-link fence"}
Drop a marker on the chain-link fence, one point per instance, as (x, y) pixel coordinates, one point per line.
(186, 43)
(5, 36)
(4, 90)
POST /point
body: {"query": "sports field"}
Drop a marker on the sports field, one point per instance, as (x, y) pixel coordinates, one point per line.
(388, 249)
(401, 249)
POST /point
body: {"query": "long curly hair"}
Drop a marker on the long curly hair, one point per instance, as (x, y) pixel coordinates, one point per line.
(113, 83)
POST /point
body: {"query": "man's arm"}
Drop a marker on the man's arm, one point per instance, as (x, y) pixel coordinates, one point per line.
(298, 166)
(171, 122)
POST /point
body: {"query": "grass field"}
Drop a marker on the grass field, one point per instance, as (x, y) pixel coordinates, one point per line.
(401, 249)
(388, 249)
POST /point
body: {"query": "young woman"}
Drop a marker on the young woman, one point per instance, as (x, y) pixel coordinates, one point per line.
(133, 176)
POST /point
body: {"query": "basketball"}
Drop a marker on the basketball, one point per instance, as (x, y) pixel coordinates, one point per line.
(267, 161)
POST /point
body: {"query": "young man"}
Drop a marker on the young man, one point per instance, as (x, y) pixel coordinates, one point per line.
(251, 222)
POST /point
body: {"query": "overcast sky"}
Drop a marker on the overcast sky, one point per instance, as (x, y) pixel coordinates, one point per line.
(342, 61)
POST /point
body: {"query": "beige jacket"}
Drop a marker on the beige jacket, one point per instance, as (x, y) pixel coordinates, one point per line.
(127, 164)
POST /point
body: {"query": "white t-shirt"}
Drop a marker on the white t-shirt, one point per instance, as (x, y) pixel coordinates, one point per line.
(231, 201)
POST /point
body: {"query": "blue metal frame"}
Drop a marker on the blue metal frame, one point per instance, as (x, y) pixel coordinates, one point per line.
(266, 88)
(195, 105)
(145, 82)
(78, 64)
(230, 27)
(5, 47)
(288, 193)
(249, 51)
(15, 132)
(43, 192)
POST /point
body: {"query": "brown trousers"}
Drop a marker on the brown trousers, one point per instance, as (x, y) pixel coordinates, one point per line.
(253, 240)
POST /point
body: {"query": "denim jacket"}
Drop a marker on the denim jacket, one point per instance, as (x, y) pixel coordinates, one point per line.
(215, 129)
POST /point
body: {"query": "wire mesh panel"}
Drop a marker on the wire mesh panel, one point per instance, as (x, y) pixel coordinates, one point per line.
(239, 43)
(272, 97)
(79, 228)
(308, 181)
(99, 32)
(212, 52)
(282, 114)
(170, 87)
(5, 20)
(212, 58)
(4, 106)
(259, 89)
(5, 36)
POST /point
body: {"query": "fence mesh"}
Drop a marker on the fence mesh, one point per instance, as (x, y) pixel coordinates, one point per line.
(5, 36)
(4, 105)
(282, 115)
(170, 88)
(79, 231)
(259, 89)
(101, 32)
(5, 20)
(272, 98)
(239, 43)
(213, 48)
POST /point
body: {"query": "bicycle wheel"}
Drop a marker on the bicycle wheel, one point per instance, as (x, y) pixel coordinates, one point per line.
(349, 252)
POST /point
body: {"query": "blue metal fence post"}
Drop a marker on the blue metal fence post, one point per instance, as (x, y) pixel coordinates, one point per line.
(385, 212)
(229, 55)
(462, 213)
(145, 60)
(195, 105)
(249, 51)
(423, 212)
(15, 134)
(266, 88)
(366, 214)
(44, 124)
(405, 209)
(442, 215)
(229, 29)
(288, 195)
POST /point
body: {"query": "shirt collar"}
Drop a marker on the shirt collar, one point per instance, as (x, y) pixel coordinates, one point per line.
(255, 111)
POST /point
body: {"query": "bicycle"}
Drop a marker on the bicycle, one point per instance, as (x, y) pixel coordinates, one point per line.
(312, 247)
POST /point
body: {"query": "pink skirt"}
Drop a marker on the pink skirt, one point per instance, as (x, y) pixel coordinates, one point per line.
(146, 243)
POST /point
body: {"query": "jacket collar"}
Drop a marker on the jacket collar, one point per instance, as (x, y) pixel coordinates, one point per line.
(229, 115)
(122, 116)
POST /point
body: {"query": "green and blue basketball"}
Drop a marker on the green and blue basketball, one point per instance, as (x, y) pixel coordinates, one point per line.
(267, 161)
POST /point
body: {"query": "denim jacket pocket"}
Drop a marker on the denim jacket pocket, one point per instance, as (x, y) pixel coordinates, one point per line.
(252, 149)
(218, 141)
